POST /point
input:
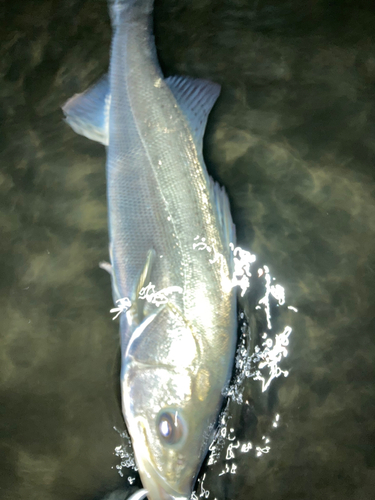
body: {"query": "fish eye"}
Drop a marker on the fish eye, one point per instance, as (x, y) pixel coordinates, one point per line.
(171, 427)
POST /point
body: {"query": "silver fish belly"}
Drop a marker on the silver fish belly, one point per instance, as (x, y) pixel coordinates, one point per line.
(170, 228)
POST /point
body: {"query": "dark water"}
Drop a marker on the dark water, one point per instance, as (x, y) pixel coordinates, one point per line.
(292, 138)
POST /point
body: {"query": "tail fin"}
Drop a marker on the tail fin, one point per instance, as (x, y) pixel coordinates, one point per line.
(129, 9)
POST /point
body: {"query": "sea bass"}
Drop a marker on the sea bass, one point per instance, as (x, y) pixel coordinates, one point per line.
(170, 231)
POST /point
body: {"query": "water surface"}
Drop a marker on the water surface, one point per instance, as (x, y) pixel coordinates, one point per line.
(292, 138)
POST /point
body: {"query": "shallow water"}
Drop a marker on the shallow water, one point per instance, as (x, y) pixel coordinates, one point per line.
(292, 138)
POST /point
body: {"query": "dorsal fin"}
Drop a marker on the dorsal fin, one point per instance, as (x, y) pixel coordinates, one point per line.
(196, 98)
(228, 229)
(88, 113)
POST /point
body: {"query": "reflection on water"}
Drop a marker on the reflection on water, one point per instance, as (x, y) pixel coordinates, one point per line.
(258, 360)
(125, 453)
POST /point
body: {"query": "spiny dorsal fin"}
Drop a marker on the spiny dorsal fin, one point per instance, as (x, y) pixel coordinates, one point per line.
(88, 113)
(196, 98)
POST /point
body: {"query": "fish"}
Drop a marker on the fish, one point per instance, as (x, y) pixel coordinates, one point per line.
(170, 231)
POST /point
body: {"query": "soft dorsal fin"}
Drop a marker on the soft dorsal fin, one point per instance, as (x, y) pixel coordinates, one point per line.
(228, 229)
(196, 98)
(88, 113)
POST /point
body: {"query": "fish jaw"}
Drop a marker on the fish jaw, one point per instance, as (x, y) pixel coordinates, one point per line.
(154, 484)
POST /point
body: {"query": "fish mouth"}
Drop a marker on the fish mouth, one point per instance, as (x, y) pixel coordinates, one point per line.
(156, 486)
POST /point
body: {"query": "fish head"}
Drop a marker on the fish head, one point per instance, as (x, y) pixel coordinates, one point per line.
(170, 423)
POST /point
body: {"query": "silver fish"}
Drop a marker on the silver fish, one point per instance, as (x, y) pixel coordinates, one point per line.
(170, 230)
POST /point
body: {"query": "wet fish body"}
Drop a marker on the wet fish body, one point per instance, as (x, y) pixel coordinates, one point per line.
(178, 333)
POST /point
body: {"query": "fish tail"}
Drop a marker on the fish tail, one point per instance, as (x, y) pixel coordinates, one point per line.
(121, 10)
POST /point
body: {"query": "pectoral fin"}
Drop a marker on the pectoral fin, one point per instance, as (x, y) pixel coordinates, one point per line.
(144, 280)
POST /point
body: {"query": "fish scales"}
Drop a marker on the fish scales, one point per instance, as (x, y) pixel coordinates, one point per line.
(159, 174)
